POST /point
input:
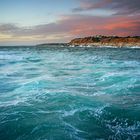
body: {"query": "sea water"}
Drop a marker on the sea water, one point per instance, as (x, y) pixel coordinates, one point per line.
(56, 93)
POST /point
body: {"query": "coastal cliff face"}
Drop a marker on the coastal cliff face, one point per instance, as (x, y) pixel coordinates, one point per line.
(107, 41)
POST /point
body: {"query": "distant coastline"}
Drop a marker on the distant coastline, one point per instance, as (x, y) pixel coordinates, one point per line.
(100, 41)
(129, 41)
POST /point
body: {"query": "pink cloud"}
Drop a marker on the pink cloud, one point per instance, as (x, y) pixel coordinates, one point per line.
(71, 26)
(91, 25)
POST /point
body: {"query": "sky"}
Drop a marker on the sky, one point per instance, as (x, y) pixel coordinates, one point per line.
(29, 22)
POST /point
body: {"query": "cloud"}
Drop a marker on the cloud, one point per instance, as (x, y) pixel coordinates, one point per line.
(69, 27)
(90, 5)
(122, 7)
(4, 28)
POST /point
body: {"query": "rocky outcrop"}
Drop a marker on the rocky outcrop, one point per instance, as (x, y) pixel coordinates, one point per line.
(107, 41)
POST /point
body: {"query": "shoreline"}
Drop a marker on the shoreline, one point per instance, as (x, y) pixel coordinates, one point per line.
(105, 46)
(71, 46)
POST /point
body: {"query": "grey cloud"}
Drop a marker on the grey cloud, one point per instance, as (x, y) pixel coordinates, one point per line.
(122, 7)
(4, 28)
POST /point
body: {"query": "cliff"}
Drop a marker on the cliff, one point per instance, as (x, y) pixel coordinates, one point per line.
(107, 41)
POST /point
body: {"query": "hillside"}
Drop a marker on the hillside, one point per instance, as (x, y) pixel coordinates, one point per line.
(107, 41)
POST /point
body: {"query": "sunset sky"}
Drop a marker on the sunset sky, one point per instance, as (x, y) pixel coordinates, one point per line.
(30, 22)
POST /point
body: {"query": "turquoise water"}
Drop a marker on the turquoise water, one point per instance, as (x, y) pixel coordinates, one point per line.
(69, 93)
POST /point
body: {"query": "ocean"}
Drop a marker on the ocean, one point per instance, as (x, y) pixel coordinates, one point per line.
(79, 93)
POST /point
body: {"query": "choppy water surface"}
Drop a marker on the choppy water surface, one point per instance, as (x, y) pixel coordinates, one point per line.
(69, 93)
